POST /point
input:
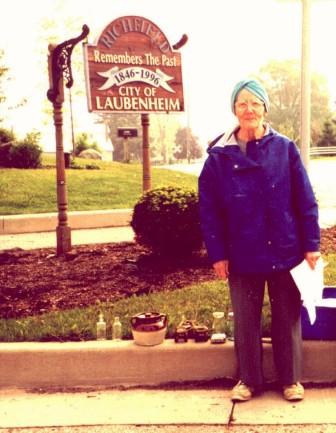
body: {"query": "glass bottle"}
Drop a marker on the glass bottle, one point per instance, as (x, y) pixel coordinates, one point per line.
(218, 325)
(101, 328)
(116, 329)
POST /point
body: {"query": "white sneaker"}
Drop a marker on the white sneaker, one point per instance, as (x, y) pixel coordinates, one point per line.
(241, 392)
(294, 392)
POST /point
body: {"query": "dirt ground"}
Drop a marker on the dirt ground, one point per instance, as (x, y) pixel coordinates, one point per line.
(37, 281)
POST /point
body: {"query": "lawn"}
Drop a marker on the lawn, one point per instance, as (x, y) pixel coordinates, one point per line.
(108, 185)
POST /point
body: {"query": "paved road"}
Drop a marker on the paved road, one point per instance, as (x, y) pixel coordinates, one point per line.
(322, 173)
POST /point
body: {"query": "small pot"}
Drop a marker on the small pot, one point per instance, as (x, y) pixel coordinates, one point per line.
(149, 329)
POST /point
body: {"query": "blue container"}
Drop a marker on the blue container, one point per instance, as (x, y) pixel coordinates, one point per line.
(324, 327)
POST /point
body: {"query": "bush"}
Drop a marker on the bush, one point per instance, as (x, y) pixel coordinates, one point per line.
(27, 153)
(75, 166)
(5, 155)
(167, 221)
(7, 137)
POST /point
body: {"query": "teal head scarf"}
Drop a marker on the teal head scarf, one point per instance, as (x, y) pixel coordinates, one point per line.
(252, 86)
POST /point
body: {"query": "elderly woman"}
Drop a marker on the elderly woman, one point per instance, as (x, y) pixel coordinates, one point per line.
(259, 219)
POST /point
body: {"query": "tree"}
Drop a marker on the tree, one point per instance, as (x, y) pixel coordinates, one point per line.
(112, 122)
(6, 103)
(163, 129)
(3, 72)
(282, 82)
(56, 28)
(187, 145)
(328, 137)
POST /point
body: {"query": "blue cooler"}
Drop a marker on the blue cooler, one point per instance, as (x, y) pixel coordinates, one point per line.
(324, 327)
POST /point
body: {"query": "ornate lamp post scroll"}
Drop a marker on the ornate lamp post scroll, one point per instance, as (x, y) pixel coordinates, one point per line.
(59, 66)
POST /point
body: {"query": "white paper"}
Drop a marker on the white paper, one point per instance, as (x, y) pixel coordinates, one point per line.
(310, 284)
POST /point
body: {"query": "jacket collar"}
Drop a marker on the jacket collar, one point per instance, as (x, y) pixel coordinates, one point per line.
(229, 138)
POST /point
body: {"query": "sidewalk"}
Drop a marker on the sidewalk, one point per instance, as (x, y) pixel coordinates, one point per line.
(28, 241)
(88, 227)
(195, 408)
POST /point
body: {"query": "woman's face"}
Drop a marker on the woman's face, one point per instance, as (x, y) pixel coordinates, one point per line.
(250, 110)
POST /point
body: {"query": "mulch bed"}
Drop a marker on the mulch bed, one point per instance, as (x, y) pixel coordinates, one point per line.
(37, 281)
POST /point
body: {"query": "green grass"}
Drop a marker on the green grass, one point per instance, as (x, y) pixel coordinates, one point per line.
(196, 302)
(112, 186)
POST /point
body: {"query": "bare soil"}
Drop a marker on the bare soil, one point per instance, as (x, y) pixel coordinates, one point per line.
(37, 281)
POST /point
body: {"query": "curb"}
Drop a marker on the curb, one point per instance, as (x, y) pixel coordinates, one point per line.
(47, 222)
(124, 364)
(44, 222)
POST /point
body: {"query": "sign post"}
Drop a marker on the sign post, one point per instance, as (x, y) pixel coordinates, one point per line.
(126, 133)
(59, 67)
(133, 68)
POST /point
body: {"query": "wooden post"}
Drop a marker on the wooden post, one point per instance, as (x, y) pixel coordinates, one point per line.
(63, 231)
(145, 153)
(59, 67)
(127, 157)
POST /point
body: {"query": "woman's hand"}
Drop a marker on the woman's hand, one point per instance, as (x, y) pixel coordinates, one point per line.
(221, 269)
(312, 257)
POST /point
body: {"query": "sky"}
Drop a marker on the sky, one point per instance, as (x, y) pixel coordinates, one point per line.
(228, 41)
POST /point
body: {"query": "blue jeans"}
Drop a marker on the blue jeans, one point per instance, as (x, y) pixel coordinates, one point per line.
(247, 294)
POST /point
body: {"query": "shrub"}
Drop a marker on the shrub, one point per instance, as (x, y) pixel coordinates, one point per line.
(27, 153)
(167, 221)
(6, 135)
(5, 154)
(7, 138)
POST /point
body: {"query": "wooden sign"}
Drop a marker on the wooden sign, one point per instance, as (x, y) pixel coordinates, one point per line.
(133, 68)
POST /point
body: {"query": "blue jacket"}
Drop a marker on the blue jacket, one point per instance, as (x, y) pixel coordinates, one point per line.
(258, 210)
